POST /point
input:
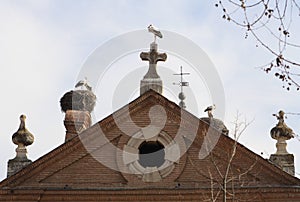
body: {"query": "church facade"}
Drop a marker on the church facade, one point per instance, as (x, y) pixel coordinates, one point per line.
(150, 150)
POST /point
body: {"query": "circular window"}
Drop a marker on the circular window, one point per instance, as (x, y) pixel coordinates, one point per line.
(151, 154)
(151, 158)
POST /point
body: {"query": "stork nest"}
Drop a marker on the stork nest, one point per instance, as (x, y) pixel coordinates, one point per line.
(82, 100)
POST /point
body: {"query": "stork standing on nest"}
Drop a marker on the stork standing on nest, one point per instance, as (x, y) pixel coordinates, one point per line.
(155, 31)
(83, 83)
(209, 110)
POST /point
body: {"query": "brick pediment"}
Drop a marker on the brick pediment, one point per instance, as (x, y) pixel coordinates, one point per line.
(106, 155)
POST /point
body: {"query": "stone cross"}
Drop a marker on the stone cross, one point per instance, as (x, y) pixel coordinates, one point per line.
(153, 57)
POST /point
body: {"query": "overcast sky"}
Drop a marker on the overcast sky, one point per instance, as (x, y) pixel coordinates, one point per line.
(43, 45)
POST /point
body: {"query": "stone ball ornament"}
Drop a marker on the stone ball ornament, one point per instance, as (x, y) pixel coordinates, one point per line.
(281, 130)
(181, 96)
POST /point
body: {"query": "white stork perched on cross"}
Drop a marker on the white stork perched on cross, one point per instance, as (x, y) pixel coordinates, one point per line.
(155, 31)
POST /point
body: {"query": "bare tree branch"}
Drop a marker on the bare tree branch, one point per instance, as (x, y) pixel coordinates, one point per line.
(229, 178)
(261, 18)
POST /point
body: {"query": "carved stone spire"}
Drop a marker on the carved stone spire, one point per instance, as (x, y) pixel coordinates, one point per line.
(152, 80)
(22, 138)
(281, 132)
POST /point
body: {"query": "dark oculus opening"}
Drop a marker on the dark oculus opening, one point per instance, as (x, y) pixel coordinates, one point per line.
(151, 154)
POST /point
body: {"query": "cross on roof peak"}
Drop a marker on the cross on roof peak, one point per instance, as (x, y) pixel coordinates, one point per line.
(151, 79)
(153, 56)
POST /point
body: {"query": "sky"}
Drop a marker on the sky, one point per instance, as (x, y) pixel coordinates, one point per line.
(44, 45)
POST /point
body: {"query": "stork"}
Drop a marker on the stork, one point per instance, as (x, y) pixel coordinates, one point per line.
(155, 31)
(83, 83)
(209, 110)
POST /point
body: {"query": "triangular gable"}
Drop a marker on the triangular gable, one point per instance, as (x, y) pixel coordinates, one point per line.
(73, 165)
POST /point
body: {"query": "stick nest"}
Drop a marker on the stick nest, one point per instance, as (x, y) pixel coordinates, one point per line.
(82, 100)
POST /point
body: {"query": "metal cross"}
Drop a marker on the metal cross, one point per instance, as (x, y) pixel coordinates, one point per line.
(182, 83)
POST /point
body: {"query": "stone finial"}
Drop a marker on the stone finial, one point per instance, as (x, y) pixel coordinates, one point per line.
(281, 132)
(22, 138)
